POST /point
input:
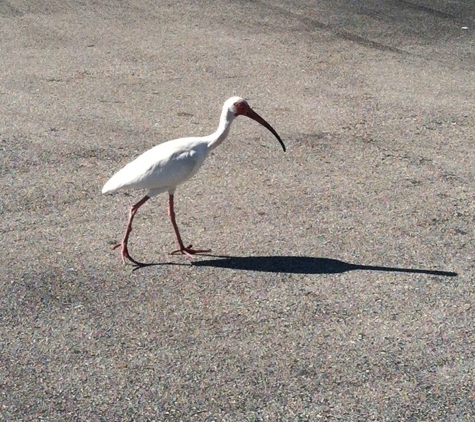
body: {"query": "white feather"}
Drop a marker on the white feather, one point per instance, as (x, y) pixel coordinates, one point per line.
(161, 168)
(168, 165)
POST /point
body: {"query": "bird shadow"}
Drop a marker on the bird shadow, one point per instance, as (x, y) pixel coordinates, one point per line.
(136, 267)
(303, 265)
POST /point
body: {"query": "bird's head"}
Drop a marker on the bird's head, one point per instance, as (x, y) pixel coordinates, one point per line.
(238, 106)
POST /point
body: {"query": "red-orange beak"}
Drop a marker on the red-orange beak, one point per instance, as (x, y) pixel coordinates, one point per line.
(254, 116)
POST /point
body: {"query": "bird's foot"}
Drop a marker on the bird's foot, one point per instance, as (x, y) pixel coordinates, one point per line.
(125, 255)
(189, 251)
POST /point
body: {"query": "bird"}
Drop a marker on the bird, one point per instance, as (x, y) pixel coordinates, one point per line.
(162, 168)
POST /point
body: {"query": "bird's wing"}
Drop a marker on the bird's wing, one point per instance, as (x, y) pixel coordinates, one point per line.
(164, 166)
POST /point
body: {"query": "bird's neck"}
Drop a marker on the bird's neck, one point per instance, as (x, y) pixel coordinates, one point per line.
(223, 129)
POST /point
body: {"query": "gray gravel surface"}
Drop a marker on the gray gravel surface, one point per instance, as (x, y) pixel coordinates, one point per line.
(341, 285)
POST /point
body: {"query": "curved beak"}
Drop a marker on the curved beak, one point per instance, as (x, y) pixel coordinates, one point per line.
(254, 116)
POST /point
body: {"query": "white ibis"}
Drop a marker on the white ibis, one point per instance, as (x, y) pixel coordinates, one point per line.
(164, 167)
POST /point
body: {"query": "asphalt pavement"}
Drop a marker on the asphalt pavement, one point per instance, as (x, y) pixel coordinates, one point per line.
(340, 285)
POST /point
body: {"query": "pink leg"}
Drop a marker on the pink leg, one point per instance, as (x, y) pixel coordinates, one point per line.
(188, 251)
(125, 240)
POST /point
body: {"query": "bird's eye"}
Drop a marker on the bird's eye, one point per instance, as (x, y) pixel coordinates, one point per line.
(240, 107)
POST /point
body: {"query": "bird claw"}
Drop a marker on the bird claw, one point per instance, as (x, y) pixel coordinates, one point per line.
(125, 255)
(189, 252)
